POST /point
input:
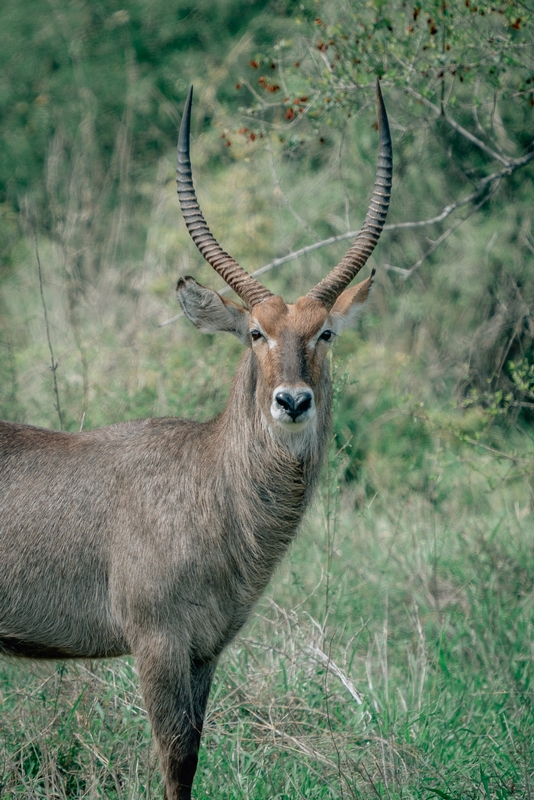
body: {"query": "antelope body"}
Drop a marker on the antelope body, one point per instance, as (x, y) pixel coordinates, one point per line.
(156, 537)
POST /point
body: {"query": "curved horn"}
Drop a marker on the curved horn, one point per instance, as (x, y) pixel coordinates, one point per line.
(329, 289)
(243, 284)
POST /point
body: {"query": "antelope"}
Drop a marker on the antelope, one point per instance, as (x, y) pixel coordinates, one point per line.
(156, 537)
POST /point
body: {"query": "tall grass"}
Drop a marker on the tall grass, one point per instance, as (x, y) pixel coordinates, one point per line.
(403, 671)
(392, 656)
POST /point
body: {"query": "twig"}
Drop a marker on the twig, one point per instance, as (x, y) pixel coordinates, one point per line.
(334, 669)
(448, 210)
(53, 363)
(457, 127)
(514, 459)
(406, 273)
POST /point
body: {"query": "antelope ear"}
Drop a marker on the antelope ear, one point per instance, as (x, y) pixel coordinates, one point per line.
(210, 312)
(350, 302)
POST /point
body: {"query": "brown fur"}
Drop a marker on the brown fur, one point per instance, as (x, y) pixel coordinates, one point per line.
(156, 537)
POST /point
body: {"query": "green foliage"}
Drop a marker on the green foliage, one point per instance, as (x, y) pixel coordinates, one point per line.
(458, 82)
(433, 47)
(94, 89)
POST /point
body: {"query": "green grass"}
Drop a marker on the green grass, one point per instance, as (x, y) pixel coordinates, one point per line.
(422, 611)
(392, 656)
(411, 584)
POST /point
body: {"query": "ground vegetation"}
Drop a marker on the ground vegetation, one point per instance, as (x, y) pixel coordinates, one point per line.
(393, 654)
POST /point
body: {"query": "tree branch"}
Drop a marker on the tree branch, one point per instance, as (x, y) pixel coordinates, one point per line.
(458, 128)
(406, 273)
(481, 187)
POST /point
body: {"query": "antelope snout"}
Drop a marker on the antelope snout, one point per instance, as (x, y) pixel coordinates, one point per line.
(293, 405)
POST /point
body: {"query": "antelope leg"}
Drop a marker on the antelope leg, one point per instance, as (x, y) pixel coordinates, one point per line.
(175, 687)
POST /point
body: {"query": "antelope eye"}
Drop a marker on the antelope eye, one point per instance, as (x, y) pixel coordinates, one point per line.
(326, 336)
(255, 335)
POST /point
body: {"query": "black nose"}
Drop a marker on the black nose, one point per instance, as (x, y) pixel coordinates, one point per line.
(294, 406)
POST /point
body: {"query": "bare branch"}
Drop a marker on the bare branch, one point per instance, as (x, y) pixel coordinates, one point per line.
(406, 273)
(458, 128)
(481, 187)
(514, 459)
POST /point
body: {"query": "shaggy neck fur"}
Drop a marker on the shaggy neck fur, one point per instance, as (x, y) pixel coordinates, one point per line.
(272, 474)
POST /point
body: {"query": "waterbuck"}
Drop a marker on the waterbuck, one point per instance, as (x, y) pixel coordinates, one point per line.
(156, 537)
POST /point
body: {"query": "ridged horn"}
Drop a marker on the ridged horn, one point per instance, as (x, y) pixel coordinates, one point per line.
(243, 284)
(329, 289)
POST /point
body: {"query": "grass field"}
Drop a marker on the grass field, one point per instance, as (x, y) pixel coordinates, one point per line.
(391, 658)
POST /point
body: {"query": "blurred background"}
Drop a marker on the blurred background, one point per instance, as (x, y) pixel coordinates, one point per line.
(393, 655)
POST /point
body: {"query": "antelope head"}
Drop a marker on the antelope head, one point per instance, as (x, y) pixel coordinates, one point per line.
(289, 342)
